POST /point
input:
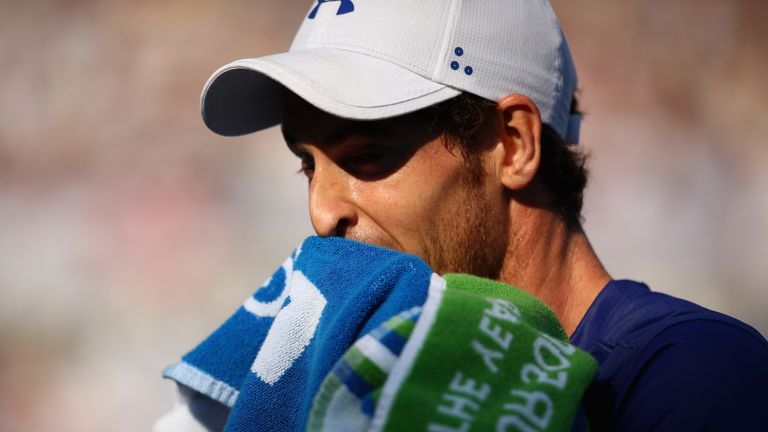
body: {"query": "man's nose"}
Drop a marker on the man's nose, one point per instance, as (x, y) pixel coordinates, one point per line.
(331, 207)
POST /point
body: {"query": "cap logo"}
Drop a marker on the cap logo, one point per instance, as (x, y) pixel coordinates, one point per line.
(345, 7)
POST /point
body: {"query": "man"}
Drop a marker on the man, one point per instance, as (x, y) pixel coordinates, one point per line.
(448, 130)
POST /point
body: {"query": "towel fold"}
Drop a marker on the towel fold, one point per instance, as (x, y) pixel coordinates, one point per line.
(349, 336)
(268, 359)
(480, 355)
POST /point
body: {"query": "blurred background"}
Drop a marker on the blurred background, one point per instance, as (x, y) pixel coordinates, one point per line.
(128, 231)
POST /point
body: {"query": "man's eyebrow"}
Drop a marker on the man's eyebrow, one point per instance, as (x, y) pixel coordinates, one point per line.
(362, 128)
(291, 142)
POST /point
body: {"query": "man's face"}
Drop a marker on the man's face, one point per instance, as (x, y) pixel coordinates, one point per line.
(393, 183)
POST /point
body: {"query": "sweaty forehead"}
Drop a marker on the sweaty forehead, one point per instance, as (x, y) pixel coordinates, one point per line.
(303, 122)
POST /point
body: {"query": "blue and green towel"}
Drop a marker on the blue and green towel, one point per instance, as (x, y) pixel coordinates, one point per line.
(348, 336)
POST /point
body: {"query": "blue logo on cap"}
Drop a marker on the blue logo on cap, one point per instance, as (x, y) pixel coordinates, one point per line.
(346, 7)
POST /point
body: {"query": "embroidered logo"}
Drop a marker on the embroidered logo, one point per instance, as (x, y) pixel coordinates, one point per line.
(345, 7)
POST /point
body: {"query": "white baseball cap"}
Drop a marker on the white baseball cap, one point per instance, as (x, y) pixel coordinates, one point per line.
(374, 59)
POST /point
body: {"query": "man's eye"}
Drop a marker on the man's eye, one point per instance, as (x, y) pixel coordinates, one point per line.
(307, 167)
(375, 161)
(367, 162)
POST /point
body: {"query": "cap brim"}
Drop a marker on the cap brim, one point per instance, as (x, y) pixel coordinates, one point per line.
(244, 96)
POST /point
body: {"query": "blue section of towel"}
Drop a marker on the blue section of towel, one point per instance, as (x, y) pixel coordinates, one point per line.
(330, 293)
(228, 353)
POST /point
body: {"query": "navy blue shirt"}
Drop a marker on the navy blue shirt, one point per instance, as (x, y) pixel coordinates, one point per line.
(669, 364)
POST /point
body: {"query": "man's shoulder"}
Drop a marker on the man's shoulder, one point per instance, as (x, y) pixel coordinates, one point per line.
(685, 344)
(628, 317)
(665, 361)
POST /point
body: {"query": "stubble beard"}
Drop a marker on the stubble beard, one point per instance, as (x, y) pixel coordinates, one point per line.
(470, 238)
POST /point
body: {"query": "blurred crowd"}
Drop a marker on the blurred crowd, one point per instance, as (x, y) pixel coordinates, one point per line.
(128, 231)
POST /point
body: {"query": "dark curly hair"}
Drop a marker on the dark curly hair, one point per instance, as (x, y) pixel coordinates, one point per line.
(562, 170)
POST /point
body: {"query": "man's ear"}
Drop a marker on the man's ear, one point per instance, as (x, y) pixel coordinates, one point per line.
(519, 146)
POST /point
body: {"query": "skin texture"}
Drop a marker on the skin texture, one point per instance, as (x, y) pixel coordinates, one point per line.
(394, 183)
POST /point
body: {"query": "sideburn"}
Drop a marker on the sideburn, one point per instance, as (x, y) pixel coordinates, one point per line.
(472, 238)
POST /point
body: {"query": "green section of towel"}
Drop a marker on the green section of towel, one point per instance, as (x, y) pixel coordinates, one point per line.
(495, 358)
(357, 379)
